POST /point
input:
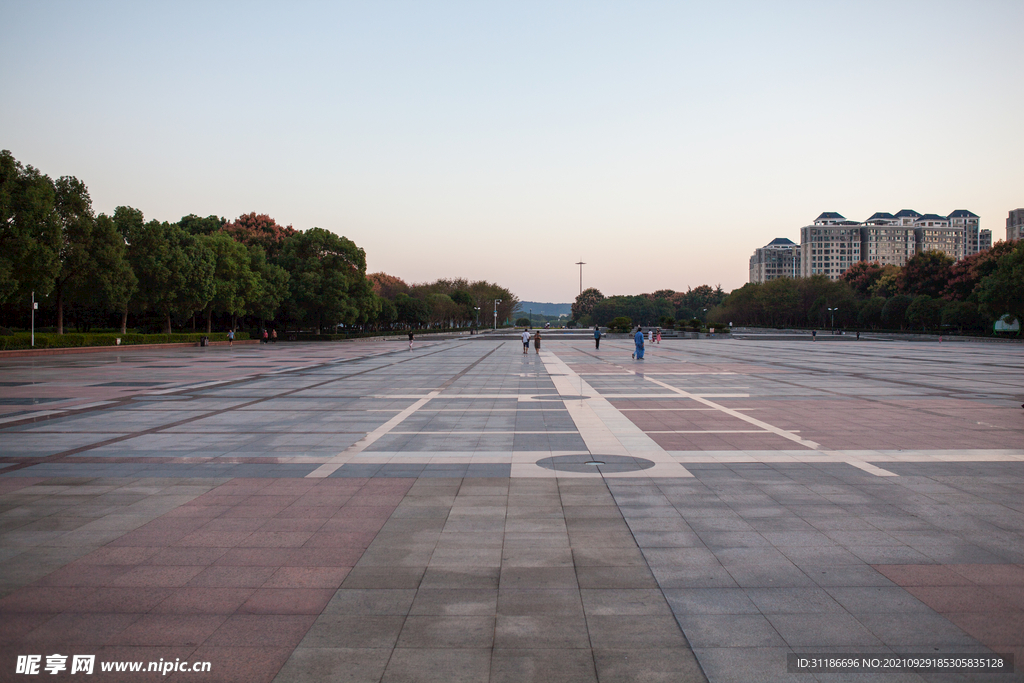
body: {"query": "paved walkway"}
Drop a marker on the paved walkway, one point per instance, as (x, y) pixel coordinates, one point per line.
(462, 512)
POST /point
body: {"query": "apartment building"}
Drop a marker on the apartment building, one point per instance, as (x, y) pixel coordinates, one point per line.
(1015, 225)
(936, 233)
(779, 258)
(889, 239)
(829, 246)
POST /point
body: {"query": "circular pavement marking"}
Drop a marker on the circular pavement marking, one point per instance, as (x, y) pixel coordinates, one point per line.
(590, 463)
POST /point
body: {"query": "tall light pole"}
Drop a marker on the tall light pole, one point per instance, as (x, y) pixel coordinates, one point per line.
(531, 317)
(832, 313)
(34, 306)
(496, 302)
(477, 309)
(580, 263)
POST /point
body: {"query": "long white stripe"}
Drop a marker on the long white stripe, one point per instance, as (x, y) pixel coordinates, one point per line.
(340, 459)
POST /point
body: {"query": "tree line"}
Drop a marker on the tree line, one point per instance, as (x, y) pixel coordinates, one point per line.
(663, 307)
(92, 269)
(930, 292)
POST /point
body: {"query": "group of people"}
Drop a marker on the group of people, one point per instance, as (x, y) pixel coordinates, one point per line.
(526, 340)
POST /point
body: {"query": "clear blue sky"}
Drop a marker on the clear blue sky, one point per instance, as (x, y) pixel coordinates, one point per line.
(661, 142)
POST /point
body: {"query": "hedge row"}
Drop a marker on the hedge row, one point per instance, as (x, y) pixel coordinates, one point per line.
(310, 336)
(23, 340)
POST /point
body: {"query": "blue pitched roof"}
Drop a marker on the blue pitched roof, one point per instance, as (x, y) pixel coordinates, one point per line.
(962, 213)
(782, 242)
(907, 213)
(830, 215)
(931, 217)
(881, 215)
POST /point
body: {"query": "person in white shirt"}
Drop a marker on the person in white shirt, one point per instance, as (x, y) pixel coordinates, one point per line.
(526, 341)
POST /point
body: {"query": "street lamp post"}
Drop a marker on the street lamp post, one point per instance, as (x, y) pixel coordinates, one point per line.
(580, 263)
(477, 309)
(531, 317)
(34, 306)
(496, 302)
(832, 314)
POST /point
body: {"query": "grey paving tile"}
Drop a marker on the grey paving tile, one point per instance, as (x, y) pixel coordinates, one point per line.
(813, 630)
(548, 665)
(455, 602)
(549, 602)
(446, 665)
(540, 631)
(668, 665)
(732, 631)
(346, 665)
(371, 602)
(432, 631)
(353, 631)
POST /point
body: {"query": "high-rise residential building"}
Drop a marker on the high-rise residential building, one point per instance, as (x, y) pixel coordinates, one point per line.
(984, 240)
(886, 239)
(779, 258)
(1015, 225)
(829, 246)
(936, 233)
(832, 244)
(962, 218)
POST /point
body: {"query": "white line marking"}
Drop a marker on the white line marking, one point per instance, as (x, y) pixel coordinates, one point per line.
(340, 459)
(868, 467)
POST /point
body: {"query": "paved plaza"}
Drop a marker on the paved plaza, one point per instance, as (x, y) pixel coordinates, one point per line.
(463, 512)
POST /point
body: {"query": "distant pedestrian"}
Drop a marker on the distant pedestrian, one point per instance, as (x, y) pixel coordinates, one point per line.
(266, 337)
(536, 341)
(858, 335)
(273, 336)
(638, 339)
(659, 335)
(597, 337)
(231, 338)
(814, 335)
(411, 337)
(526, 341)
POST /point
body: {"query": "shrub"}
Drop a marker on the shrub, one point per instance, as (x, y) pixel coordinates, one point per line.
(522, 322)
(621, 324)
(895, 310)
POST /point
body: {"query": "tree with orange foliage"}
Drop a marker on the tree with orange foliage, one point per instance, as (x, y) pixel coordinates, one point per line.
(387, 286)
(259, 230)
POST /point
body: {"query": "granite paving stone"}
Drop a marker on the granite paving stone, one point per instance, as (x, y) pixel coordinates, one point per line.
(358, 511)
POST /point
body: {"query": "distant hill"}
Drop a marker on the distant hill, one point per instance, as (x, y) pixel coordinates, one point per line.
(545, 308)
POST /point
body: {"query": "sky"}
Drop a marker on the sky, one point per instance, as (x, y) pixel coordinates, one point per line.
(658, 142)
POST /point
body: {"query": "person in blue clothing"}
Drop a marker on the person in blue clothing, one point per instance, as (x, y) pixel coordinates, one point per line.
(597, 337)
(638, 338)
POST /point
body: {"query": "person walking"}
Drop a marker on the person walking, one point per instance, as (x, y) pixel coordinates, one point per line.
(638, 339)
(597, 337)
(273, 335)
(536, 341)
(814, 335)
(659, 335)
(526, 340)
(411, 337)
(266, 337)
(231, 338)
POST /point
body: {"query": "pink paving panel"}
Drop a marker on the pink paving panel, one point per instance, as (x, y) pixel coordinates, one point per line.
(235, 577)
(985, 600)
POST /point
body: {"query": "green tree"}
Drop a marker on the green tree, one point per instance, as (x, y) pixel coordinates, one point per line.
(924, 311)
(30, 236)
(235, 286)
(522, 322)
(112, 282)
(894, 313)
(585, 302)
(175, 271)
(194, 225)
(1002, 292)
(870, 314)
(273, 289)
(73, 208)
(961, 315)
(328, 284)
(410, 311)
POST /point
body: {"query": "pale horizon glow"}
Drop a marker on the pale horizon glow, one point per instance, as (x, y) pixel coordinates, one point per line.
(659, 142)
